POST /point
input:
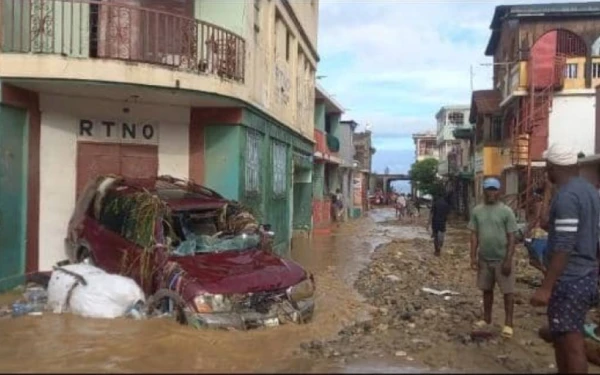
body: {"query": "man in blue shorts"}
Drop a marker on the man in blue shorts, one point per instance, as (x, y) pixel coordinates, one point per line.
(570, 284)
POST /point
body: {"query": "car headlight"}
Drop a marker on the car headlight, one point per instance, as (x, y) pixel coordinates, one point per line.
(301, 291)
(209, 303)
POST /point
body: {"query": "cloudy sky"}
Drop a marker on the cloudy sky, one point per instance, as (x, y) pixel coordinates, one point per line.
(394, 63)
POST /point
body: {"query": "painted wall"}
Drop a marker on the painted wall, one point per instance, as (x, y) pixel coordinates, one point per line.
(58, 157)
(494, 161)
(346, 144)
(223, 155)
(320, 116)
(307, 12)
(574, 111)
(273, 82)
(227, 14)
(14, 132)
(67, 32)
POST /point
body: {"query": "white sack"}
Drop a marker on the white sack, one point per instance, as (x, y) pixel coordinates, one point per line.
(104, 296)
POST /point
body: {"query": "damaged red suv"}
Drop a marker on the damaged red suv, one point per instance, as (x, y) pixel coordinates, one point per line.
(198, 256)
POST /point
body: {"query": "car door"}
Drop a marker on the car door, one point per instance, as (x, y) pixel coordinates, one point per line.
(105, 237)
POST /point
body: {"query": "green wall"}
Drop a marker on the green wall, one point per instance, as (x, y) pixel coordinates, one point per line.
(227, 14)
(67, 27)
(226, 150)
(318, 180)
(223, 159)
(13, 195)
(320, 116)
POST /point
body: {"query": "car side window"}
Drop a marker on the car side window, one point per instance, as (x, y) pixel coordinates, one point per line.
(111, 217)
(118, 215)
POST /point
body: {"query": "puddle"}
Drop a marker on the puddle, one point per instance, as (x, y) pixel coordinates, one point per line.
(65, 343)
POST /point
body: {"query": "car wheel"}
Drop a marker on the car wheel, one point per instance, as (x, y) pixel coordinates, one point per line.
(167, 303)
(84, 255)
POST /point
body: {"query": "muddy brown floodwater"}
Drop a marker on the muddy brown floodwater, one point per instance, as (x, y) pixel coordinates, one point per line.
(65, 343)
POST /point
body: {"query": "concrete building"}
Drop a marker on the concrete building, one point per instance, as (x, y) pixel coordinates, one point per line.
(349, 169)
(455, 161)
(221, 92)
(425, 145)
(488, 154)
(363, 183)
(546, 65)
(448, 119)
(327, 173)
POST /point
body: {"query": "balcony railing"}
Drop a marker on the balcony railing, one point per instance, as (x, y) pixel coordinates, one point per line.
(104, 30)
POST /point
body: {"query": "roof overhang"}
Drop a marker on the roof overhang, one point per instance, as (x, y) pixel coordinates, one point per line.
(331, 105)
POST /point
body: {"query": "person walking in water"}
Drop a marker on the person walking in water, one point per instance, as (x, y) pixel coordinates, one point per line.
(493, 226)
(437, 222)
(569, 289)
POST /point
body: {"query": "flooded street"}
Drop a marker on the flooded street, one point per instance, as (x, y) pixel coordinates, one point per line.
(371, 316)
(53, 343)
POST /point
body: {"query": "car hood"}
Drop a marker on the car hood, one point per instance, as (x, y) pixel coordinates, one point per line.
(233, 272)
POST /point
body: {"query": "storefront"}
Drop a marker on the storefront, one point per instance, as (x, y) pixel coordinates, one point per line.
(81, 138)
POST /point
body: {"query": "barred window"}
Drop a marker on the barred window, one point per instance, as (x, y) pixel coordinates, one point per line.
(253, 142)
(279, 168)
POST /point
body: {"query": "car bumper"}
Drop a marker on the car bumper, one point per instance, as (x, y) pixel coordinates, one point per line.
(252, 319)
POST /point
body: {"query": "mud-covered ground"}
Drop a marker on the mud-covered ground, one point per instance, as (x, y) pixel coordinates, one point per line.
(433, 332)
(371, 316)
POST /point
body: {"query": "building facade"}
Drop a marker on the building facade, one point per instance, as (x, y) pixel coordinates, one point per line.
(363, 183)
(349, 168)
(327, 161)
(449, 148)
(425, 145)
(220, 92)
(546, 65)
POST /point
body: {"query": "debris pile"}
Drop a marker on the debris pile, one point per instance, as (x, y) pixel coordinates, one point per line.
(424, 308)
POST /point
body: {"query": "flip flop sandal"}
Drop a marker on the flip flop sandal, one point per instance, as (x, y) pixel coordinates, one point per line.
(590, 329)
(481, 324)
(507, 332)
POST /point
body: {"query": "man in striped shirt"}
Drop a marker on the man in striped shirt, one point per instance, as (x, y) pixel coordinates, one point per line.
(569, 288)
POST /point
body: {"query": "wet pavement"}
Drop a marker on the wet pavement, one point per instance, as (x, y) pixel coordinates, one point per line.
(64, 343)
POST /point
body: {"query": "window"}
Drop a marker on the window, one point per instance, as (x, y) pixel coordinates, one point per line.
(595, 70)
(253, 147)
(456, 118)
(571, 71)
(279, 168)
(496, 133)
(288, 43)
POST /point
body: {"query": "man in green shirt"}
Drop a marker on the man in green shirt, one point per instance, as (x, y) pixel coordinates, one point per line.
(493, 226)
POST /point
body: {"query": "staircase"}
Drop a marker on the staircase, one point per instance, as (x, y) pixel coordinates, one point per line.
(531, 133)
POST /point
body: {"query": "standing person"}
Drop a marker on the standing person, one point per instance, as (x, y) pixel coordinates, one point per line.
(338, 205)
(417, 205)
(437, 222)
(493, 226)
(570, 284)
(400, 205)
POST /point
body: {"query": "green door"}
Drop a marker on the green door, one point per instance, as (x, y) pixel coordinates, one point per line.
(13, 195)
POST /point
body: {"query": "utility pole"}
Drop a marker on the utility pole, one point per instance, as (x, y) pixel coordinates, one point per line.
(471, 74)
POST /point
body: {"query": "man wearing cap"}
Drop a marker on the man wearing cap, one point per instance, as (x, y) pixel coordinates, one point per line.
(569, 288)
(493, 226)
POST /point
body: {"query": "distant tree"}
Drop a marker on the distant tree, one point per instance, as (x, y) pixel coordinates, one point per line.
(423, 175)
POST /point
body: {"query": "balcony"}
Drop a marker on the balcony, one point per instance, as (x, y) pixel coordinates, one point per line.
(327, 147)
(102, 30)
(465, 133)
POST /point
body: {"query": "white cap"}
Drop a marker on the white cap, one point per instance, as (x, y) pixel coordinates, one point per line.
(560, 154)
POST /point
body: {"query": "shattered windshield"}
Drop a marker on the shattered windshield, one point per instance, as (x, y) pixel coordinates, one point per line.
(199, 234)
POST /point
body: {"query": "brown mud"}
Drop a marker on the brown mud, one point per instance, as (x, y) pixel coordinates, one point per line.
(371, 316)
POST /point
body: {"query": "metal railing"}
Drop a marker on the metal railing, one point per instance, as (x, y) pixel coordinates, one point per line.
(104, 30)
